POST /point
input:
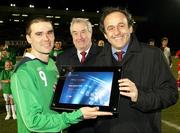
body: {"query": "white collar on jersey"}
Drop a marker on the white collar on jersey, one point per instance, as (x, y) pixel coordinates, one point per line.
(29, 55)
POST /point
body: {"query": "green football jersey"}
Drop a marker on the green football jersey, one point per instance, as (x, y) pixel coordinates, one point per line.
(5, 75)
(32, 88)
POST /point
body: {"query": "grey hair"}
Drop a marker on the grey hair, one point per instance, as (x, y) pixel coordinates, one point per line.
(81, 20)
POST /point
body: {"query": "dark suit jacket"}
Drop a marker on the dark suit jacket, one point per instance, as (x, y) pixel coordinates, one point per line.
(146, 67)
(70, 58)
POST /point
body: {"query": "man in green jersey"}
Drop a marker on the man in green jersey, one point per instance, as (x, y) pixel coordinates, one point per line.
(32, 85)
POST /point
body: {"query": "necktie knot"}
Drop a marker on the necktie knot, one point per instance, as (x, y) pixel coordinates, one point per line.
(119, 55)
(83, 53)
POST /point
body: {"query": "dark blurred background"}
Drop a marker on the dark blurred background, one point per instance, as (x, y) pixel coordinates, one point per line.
(154, 18)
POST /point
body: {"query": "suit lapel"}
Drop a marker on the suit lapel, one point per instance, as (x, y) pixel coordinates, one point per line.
(74, 60)
(106, 56)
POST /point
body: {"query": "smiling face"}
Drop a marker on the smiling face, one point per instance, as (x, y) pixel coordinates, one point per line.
(117, 30)
(81, 36)
(41, 38)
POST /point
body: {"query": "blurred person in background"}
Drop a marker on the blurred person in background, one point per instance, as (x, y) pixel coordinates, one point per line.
(178, 68)
(5, 76)
(56, 50)
(101, 43)
(151, 42)
(166, 50)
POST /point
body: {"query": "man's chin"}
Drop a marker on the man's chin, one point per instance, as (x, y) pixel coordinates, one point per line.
(46, 53)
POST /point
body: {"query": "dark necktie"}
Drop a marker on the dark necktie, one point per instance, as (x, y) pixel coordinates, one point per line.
(119, 55)
(83, 53)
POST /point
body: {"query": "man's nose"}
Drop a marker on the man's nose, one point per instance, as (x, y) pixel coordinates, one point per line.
(117, 30)
(46, 37)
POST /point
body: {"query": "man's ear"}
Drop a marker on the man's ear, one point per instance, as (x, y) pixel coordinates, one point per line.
(28, 38)
(105, 35)
(131, 29)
